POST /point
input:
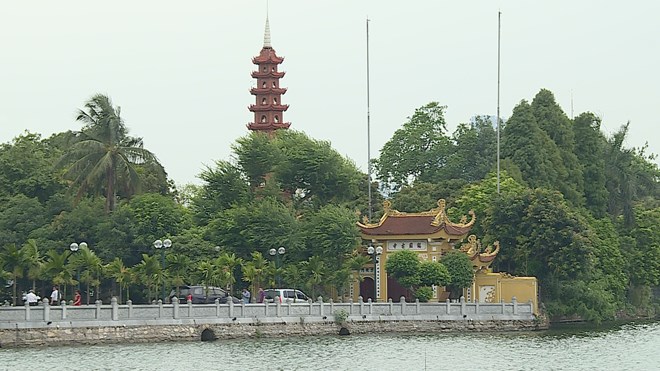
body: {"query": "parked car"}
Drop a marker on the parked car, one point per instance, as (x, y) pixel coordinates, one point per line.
(286, 295)
(202, 295)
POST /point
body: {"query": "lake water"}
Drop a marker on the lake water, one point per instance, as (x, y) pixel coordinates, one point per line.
(622, 347)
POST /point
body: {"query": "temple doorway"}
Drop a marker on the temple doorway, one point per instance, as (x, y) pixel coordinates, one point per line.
(367, 289)
(395, 291)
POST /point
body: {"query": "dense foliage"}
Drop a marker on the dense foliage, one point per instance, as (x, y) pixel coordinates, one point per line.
(575, 208)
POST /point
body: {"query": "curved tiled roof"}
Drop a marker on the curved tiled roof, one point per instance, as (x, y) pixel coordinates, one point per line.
(430, 222)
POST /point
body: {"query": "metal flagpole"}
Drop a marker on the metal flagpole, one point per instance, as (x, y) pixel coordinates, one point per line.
(499, 15)
(368, 129)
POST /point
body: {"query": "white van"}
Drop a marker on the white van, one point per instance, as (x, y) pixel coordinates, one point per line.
(285, 295)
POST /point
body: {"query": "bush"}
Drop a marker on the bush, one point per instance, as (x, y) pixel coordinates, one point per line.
(341, 316)
(424, 294)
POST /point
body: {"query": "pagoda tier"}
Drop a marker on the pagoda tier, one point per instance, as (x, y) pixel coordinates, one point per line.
(255, 91)
(267, 74)
(268, 108)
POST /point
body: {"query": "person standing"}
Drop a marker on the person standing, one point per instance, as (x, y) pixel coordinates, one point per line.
(246, 296)
(31, 298)
(77, 299)
(54, 296)
(262, 295)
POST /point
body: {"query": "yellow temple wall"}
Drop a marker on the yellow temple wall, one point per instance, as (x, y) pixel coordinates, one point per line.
(495, 287)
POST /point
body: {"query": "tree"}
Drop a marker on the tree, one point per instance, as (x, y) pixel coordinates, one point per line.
(14, 262)
(255, 270)
(26, 167)
(590, 151)
(461, 273)
(418, 150)
(331, 234)
(558, 126)
(105, 157)
(88, 265)
(475, 150)
(404, 267)
(224, 186)
(122, 275)
(150, 274)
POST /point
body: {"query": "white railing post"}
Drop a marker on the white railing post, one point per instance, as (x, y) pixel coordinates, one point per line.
(175, 307)
(402, 301)
(115, 309)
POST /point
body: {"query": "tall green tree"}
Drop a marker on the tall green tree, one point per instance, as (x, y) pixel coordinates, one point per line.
(14, 262)
(460, 270)
(590, 151)
(105, 157)
(554, 122)
(417, 150)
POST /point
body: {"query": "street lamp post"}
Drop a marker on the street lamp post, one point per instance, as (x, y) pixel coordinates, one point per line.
(74, 248)
(278, 255)
(375, 252)
(162, 245)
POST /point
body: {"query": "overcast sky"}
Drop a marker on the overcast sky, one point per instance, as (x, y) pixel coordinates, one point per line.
(181, 70)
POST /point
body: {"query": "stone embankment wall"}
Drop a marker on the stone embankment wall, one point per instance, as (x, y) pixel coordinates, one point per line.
(94, 324)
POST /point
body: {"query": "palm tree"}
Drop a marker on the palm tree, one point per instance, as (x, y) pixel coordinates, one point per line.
(255, 270)
(13, 261)
(316, 272)
(228, 263)
(178, 268)
(57, 270)
(149, 273)
(122, 275)
(90, 267)
(105, 156)
(34, 261)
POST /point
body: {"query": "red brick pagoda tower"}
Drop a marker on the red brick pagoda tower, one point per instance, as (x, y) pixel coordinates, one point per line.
(268, 108)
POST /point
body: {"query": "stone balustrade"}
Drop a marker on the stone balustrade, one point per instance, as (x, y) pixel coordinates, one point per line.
(175, 313)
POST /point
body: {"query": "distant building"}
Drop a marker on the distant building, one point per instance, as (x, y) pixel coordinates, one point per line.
(268, 108)
(431, 235)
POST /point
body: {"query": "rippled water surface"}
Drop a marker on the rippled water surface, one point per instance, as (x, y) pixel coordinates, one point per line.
(625, 347)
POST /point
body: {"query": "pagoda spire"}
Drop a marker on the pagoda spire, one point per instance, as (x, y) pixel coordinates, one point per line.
(268, 108)
(267, 35)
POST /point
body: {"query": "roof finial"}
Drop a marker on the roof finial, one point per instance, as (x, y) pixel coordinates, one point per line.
(267, 31)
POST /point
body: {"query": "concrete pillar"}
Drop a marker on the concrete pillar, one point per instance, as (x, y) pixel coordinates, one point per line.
(448, 304)
(63, 305)
(160, 308)
(231, 308)
(371, 306)
(266, 307)
(115, 309)
(130, 308)
(402, 301)
(175, 307)
(463, 306)
(503, 306)
(278, 307)
(311, 306)
(417, 307)
(320, 306)
(97, 315)
(27, 311)
(361, 304)
(476, 306)
(190, 308)
(217, 306)
(514, 301)
(46, 310)
(390, 306)
(332, 306)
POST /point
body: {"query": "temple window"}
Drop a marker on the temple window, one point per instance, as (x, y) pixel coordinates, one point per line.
(263, 118)
(274, 100)
(263, 101)
(263, 84)
(274, 85)
(277, 119)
